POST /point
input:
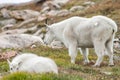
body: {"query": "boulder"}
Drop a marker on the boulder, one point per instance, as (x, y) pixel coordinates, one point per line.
(52, 13)
(7, 55)
(76, 8)
(7, 27)
(45, 9)
(24, 14)
(116, 43)
(88, 3)
(63, 12)
(52, 5)
(19, 41)
(61, 2)
(5, 13)
(56, 44)
(7, 22)
(19, 31)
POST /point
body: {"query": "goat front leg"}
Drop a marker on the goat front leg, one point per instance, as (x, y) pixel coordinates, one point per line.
(85, 53)
(73, 52)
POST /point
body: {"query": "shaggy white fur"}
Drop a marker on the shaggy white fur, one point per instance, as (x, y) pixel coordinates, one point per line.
(32, 63)
(77, 32)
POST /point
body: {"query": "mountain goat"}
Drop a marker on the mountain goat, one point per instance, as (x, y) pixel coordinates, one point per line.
(76, 32)
(32, 63)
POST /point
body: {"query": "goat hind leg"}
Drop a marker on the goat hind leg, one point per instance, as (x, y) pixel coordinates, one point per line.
(100, 50)
(109, 48)
(85, 53)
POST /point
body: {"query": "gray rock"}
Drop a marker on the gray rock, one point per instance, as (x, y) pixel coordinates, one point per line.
(24, 14)
(58, 12)
(76, 8)
(5, 13)
(7, 21)
(45, 9)
(19, 31)
(7, 27)
(19, 41)
(88, 3)
(52, 5)
(56, 44)
(63, 12)
(61, 2)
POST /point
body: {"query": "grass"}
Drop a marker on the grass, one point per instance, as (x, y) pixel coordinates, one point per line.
(28, 76)
(67, 71)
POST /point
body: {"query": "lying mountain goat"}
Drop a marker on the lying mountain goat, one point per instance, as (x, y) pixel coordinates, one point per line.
(97, 32)
(32, 63)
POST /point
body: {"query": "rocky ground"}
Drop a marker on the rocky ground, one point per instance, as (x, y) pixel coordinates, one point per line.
(29, 18)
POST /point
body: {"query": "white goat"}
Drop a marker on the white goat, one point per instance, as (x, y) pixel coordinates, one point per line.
(76, 32)
(32, 63)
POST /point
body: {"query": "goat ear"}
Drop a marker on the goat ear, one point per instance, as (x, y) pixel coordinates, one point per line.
(19, 64)
(8, 61)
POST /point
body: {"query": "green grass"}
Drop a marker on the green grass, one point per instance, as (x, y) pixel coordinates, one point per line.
(3, 66)
(67, 71)
(28, 76)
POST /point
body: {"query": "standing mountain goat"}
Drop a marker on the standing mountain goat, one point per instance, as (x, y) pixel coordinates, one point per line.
(76, 32)
(32, 63)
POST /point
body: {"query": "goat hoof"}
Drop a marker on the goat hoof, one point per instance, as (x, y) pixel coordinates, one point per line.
(86, 63)
(111, 65)
(96, 66)
(73, 62)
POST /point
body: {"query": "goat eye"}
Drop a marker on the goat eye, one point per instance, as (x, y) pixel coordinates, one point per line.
(10, 68)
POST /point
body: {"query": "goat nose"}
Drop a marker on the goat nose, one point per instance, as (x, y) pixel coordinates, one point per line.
(46, 43)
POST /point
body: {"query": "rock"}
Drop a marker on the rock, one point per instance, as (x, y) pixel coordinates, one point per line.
(19, 31)
(116, 43)
(63, 12)
(7, 27)
(61, 2)
(33, 46)
(106, 73)
(24, 14)
(58, 12)
(19, 41)
(116, 58)
(52, 13)
(45, 9)
(52, 5)
(56, 44)
(76, 8)
(88, 3)
(5, 13)
(41, 18)
(7, 22)
(7, 55)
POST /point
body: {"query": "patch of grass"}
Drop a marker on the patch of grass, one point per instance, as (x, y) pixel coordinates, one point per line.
(116, 71)
(67, 71)
(28, 76)
(3, 66)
